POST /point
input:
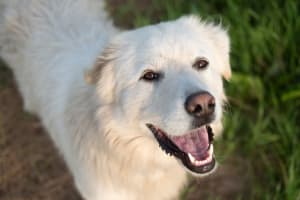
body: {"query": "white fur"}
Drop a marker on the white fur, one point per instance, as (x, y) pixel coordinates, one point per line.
(100, 128)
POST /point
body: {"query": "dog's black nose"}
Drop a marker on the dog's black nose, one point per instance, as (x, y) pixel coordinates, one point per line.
(200, 104)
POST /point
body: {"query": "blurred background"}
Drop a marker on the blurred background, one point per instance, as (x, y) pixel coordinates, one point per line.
(259, 153)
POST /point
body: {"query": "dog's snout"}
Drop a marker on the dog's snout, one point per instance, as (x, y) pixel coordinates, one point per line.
(200, 104)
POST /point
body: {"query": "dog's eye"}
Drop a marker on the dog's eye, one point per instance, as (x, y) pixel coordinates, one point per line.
(150, 76)
(201, 63)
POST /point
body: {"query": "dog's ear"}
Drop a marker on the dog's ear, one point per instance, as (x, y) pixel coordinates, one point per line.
(221, 40)
(102, 73)
(92, 76)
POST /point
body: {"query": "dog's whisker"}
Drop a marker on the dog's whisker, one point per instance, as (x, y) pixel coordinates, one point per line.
(134, 139)
(106, 135)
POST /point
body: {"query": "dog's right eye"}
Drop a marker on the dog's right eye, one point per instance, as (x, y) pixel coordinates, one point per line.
(150, 75)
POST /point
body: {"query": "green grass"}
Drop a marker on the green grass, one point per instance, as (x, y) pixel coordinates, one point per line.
(263, 121)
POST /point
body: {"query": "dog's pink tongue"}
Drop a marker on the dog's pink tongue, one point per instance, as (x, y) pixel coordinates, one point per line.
(195, 142)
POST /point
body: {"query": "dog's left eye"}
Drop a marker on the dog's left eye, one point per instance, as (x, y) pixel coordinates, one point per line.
(150, 75)
(201, 63)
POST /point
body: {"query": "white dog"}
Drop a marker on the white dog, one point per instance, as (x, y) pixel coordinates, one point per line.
(130, 111)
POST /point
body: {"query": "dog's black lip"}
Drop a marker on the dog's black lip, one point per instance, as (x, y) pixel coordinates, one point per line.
(198, 122)
(168, 146)
(200, 170)
(171, 149)
(210, 134)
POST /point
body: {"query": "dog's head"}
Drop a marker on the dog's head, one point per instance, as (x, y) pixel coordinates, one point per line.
(166, 81)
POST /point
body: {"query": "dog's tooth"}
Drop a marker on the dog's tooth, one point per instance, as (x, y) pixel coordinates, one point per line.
(197, 162)
(192, 159)
(211, 150)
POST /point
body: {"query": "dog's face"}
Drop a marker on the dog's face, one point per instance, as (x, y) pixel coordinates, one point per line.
(166, 81)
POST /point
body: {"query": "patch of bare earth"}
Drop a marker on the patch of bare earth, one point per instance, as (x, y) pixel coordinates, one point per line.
(30, 167)
(230, 181)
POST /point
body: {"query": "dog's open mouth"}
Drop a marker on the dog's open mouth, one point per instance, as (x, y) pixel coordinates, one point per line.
(194, 148)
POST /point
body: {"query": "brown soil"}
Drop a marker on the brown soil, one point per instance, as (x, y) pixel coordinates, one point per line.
(30, 167)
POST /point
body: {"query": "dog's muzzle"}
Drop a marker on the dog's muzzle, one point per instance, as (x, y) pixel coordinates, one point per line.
(194, 149)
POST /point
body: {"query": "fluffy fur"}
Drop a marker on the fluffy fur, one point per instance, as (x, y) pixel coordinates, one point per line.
(81, 76)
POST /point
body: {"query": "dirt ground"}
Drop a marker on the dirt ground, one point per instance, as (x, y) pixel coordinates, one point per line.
(30, 167)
